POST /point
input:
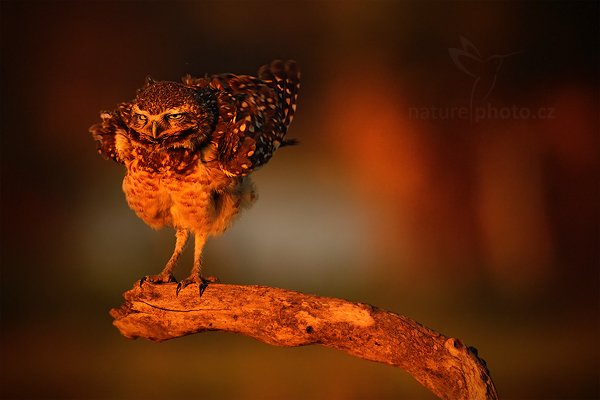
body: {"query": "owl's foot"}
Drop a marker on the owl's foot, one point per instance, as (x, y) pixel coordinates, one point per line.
(160, 278)
(200, 281)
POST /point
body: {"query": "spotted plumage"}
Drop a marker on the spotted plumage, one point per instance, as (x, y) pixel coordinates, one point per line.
(189, 147)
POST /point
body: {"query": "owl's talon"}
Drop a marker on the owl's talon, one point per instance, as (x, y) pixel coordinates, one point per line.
(186, 282)
(166, 278)
(202, 283)
(202, 287)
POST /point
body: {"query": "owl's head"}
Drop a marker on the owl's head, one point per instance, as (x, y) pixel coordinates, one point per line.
(172, 114)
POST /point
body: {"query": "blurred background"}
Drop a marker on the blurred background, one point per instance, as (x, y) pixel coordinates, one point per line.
(448, 171)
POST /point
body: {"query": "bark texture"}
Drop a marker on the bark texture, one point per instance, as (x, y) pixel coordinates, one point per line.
(281, 317)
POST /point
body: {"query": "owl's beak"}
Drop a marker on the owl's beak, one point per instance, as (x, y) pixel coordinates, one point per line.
(154, 130)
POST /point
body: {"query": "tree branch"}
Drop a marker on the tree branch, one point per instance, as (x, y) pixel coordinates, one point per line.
(287, 318)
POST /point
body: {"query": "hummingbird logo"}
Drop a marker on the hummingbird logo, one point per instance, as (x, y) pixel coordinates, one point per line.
(483, 71)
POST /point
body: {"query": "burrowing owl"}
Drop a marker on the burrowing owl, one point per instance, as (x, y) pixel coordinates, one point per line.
(189, 147)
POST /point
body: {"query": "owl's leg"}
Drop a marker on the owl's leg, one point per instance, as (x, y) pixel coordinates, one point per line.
(196, 276)
(166, 275)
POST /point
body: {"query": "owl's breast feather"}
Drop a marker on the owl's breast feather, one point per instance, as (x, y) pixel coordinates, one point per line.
(147, 196)
(183, 200)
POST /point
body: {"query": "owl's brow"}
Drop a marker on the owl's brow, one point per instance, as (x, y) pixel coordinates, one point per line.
(137, 110)
(175, 110)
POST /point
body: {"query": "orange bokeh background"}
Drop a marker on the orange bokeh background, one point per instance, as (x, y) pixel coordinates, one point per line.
(476, 216)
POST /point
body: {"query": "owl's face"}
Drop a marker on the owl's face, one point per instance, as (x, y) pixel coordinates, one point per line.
(170, 113)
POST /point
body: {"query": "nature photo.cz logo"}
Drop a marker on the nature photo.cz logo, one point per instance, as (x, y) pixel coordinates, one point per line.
(484, 72)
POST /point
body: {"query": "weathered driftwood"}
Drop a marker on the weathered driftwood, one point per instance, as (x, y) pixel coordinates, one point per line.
(287, 318)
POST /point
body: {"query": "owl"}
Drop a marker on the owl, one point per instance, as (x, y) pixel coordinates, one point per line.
(189, 149)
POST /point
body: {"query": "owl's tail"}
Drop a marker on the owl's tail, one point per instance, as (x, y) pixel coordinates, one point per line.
(285, 77)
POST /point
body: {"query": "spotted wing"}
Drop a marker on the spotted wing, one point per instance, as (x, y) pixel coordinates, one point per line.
(255, 113)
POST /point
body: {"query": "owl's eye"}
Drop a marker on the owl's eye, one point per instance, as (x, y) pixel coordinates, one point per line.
(141, 117)
(174, 116)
